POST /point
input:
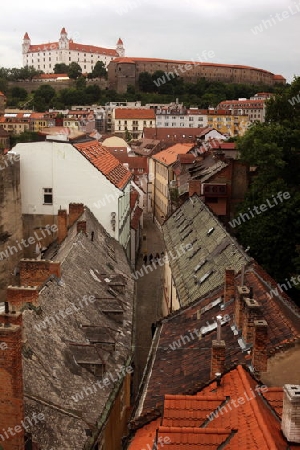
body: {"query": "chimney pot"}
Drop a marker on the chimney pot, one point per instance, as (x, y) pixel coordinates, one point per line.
(242, 292)
(259, 354)
(290, 423)
(217, 357)
(252, 312)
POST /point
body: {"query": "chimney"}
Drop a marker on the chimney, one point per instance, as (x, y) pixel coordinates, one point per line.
(194, 187)
(62, 225)
(290, 422)
(18, 296)
(75, 211)
(229, 285)
(242, 292)
(217, 358)
(11, 393)
(252, 312)
(81, 226)
(35, 272)
(259, 354)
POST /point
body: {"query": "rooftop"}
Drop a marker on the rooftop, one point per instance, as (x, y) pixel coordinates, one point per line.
(105, 162)
(200, 270)
(185, 417)
(179, 362)
(134, 113)
(169, 156)
(64, 357)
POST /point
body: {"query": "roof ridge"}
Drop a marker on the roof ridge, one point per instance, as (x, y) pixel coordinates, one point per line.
(195, 430)
(257, 413)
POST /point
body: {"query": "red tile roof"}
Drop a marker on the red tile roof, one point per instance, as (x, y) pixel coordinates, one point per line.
(236, 414)
(184, 369)
(106, 163)
(54, 76)
(175, 134)
(26, 36)
(134, 113)
(169, 156)
(92, 49)
(74, 46)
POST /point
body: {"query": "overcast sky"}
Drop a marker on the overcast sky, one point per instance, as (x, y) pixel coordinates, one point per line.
(259, 33)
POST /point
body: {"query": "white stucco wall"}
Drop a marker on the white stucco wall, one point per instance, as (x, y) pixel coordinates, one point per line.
(58, 165)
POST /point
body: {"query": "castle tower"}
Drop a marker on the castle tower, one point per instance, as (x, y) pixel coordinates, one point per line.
(26, 43)
(120, 48)
(63, 42)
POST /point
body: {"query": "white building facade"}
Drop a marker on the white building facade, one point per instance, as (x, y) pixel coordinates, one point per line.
(55, 174)
(45, 56)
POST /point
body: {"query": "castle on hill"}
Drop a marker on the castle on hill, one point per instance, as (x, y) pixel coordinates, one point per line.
(45, 56)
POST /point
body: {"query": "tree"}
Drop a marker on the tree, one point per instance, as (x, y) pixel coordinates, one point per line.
(80, 83)
(128, 136)
(145, 82)
(274, 148)
(99, 70)
(74, 70)
(61, 68)
(42, 97)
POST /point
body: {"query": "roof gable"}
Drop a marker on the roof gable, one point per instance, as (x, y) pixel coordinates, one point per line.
(105, 162)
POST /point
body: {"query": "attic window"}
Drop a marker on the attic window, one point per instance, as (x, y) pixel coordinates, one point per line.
(201, 264)
(205, 277)
(210, 231)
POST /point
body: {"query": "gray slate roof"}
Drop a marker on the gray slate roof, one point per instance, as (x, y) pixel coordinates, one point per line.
(67, 357)
(201, 269)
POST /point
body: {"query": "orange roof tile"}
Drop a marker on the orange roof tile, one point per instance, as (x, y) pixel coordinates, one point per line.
(145, 436)
(235, 414)
(43, 76)
(134, 113)
(92, 49)
(169, 156)
(105, 162)
(74, 46)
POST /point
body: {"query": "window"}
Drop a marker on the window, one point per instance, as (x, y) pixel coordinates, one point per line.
(48, 196)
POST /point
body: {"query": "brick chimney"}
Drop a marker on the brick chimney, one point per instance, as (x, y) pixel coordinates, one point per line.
(290, 422)
(242, 292)
(217, 358)
(62, 225)
(17, 296)
(229, 288)
(35, 272)
(11, 379)
(194, 187)
(259, 354)
(81, 226)
(252, 312)
(75, 211)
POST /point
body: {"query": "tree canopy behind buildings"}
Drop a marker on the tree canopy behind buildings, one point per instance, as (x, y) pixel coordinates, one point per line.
(273, 148)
